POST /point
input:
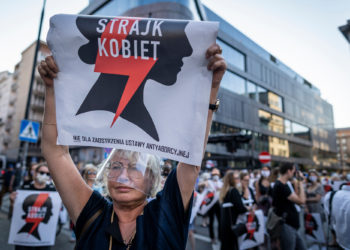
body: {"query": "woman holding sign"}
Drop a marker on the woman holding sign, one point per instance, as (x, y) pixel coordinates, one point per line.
(129, 222)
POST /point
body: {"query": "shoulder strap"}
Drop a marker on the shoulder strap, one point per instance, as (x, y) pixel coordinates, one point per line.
(88, 224)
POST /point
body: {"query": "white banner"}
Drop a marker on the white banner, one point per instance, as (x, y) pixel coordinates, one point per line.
(34, 219)
(255, 223)
(132, 83)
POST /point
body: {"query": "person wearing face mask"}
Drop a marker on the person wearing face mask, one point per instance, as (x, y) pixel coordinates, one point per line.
(214, 184)
(314, 194)
(263, 190)
(41, 182)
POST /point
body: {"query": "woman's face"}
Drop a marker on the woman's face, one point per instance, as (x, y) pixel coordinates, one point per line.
(126, 183)
(245, 181)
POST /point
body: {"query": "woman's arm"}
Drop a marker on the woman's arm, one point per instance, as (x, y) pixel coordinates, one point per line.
(68, 181)
(187, 174)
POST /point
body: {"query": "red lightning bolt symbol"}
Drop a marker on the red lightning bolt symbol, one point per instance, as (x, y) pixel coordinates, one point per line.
(31, 218)
(136, 68)
(251, 229)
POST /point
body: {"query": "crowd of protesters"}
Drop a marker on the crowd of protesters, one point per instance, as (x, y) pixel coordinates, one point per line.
(290, 195)
(283, 192)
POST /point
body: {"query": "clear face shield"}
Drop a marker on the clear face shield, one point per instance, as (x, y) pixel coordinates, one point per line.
(131, 169)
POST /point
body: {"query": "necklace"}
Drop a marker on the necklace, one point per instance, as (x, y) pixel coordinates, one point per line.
(127, 243)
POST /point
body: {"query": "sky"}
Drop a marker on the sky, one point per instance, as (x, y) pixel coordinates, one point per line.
(302, 34)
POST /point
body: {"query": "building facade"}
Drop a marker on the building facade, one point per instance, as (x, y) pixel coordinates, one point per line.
(13, 148)
(260, 96)
(343, 146)
(7, 101)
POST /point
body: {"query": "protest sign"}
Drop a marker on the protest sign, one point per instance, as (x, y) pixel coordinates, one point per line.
(256, 227)
(132, 83)
(197, 201)
(313, 228)
(34, 219)
(208, 201)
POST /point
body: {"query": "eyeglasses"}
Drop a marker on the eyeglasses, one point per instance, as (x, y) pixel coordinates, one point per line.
(44, 173)
(91, 172)
(116, 169)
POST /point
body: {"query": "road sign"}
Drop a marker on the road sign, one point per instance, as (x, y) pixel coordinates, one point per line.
(29, 131)
(264, 157)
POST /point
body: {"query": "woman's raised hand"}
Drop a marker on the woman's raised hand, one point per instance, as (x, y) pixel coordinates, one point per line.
(48, 70)
(216, 64)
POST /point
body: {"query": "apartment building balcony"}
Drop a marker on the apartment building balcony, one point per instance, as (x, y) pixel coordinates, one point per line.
(6, 139)
(14, 87)
(13, 100)
(8, 125)
(37, 105)
(39, 90)
(10, 112)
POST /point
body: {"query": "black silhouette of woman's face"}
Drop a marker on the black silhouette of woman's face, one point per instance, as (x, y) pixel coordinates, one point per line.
(173, 46)
(30, 201)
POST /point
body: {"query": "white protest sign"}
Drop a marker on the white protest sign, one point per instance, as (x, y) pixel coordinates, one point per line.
(34, 219)
(313, 228)
(197, 201)
(256, 227)
(208, 201)
(132, 83)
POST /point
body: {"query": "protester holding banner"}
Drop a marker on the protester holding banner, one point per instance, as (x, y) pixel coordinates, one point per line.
(130, 222)
(247, 193)
(314, 194)
(214, 184)
(232, 207)
(7, 185)
(41, 182)
(284, 201)
(263, 191)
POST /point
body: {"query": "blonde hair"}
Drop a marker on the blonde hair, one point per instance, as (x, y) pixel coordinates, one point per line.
(153, 165)
(88, 167)
(229, 182)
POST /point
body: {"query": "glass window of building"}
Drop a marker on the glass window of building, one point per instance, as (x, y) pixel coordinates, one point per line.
(261, 142)
(219, 128)
(287, 127)
(277, 124)
(299, 151)
(233, 83)
(301, 131)
(251, 90)
(343, 141)
(265, 119)
(275, 101)
(262, 95)
(278, 146)
(232, 55)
